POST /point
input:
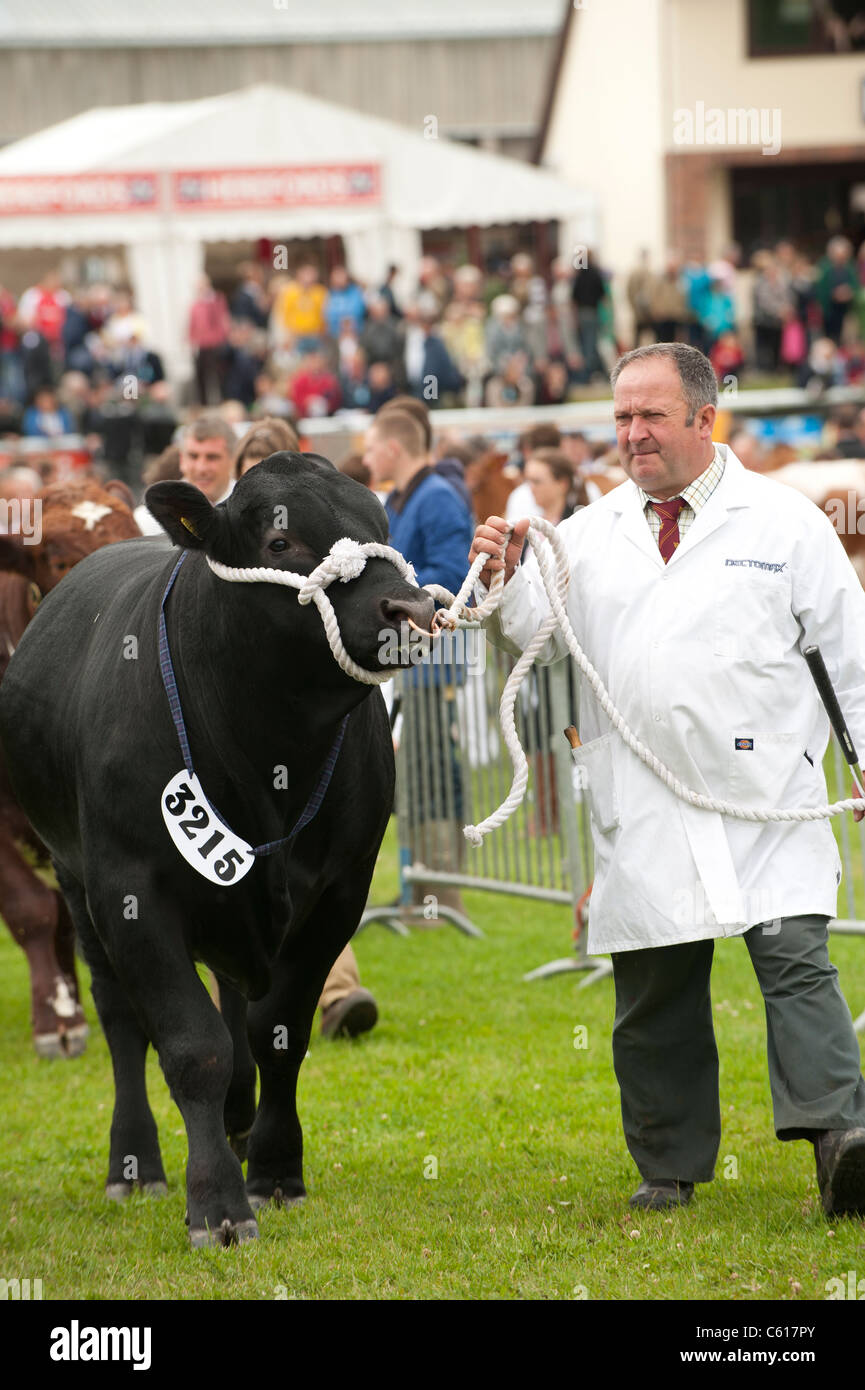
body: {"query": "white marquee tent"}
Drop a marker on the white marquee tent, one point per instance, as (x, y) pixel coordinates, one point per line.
(164, 179)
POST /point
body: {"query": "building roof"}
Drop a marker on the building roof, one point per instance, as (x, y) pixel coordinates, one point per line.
(167, 23)
(425, 183)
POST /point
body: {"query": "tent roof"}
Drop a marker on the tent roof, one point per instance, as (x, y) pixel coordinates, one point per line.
(165, 23)
(426, 182)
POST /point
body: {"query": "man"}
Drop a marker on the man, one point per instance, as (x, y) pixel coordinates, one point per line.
(432, 528)
(345, 300)
(42, 309)
(588, 292)
(206, 457)
(249, 303)
(299, 309)
(207, 449)
(380, 339)
(428, 368)
(694, 588)
(209, 326)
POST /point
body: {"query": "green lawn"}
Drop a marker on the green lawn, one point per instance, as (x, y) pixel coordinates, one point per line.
(468, 1067)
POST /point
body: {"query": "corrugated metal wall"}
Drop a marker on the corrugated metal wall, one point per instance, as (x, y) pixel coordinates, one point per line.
(487, 87)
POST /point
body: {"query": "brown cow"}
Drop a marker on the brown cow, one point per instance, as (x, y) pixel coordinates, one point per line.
(837, 487)
(76, 519)
(490, 486)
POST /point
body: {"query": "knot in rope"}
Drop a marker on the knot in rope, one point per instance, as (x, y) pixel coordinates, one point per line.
(345, 561)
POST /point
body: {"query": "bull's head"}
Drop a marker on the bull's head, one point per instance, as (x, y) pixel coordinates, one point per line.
(285, 514)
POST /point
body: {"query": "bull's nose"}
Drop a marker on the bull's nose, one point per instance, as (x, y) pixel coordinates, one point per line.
(419, 610)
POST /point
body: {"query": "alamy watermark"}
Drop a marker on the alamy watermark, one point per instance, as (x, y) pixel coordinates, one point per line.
(734, 126)
(22, 516)
(846, 1286)
(406, 646)
(20, 1289)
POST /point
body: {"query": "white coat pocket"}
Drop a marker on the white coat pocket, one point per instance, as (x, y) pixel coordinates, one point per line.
(762, 764)
(594, 762)
(753, 618)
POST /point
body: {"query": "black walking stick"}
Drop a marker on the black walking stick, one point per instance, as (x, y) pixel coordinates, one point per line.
(826, 690)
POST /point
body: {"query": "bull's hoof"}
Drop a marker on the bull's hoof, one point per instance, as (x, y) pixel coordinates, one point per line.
(76, 1040)
(121, 1191)
(278, 1197)
(118, 1191)
(70, 1043)
(228, 1233)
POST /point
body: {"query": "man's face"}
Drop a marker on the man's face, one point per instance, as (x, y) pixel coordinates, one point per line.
(379, 456)
(657, 449)
(206, 463)
(546, 491)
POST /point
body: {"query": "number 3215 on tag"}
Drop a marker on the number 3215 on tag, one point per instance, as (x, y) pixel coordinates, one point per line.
(207, 845)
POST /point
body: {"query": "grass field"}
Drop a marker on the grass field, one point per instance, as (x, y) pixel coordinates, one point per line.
(472, 1075)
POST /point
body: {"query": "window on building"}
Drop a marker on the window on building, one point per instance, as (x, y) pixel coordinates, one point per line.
(779, 27)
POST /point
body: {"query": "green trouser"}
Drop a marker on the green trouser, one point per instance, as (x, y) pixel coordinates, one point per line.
(666, 1060)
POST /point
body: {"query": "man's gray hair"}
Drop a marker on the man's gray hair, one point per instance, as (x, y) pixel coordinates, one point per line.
(696, 373)
(211, 426)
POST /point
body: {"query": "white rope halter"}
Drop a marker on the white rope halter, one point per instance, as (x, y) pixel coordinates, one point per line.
(555, 587)
(346, 560)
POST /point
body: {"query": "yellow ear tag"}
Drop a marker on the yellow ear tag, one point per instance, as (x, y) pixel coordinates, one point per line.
(184, 521)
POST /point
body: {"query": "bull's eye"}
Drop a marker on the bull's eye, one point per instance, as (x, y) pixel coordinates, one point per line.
(278, 545)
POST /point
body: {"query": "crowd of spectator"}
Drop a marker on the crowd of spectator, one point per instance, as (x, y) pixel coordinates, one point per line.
(294, 345)
(782, 313)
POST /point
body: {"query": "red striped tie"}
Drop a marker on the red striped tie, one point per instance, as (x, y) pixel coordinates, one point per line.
(669, 514)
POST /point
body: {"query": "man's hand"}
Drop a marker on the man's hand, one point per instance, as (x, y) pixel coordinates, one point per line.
(488, 540)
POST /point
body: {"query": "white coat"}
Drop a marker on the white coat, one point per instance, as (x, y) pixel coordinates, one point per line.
(703, 658)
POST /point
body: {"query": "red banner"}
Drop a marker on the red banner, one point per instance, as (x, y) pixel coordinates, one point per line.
(50, 194)
(303, 185)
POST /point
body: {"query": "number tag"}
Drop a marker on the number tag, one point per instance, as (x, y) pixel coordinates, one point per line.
(206, 844)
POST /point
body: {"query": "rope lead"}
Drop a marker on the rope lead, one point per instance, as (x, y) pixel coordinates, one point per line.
(346, 561)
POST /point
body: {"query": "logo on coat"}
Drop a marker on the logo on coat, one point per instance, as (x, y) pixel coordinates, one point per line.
(772, 566)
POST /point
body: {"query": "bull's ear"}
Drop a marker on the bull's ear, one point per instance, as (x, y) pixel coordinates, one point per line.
(184, 512)
(16, 556)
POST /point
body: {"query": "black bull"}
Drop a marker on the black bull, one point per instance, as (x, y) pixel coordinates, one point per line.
(91, 745)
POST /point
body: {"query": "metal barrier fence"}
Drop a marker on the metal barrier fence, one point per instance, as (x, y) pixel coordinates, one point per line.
(453, 769)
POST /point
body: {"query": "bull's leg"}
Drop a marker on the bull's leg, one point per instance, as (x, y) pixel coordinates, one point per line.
(194, 1047)
(33, 913)
(134, 1158)
(64, 943)
(240, 1101)
(279, 1029)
